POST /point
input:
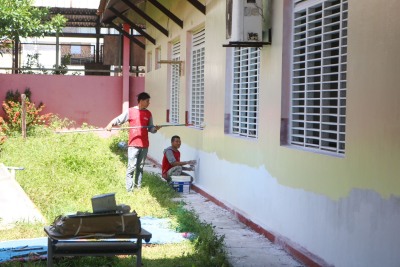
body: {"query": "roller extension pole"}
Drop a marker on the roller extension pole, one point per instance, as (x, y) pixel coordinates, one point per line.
(100, 129)
(120, 128)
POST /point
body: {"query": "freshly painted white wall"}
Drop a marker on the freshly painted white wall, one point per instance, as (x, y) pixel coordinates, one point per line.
(345, 210)
(359, 229)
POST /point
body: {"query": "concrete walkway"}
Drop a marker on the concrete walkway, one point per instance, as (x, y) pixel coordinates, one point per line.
(15, 205)
(245, 247)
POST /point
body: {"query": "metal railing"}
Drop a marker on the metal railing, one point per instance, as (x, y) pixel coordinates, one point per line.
(53, 71)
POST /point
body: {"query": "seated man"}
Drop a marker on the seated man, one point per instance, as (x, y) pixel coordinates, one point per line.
(172, 164)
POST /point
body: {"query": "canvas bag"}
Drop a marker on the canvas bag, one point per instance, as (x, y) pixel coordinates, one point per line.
(97, 224)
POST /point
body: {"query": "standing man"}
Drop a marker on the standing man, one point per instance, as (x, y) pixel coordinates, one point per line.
(138, 116)
(171, 163)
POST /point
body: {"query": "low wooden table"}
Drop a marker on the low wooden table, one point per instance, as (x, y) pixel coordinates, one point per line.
(59, 246)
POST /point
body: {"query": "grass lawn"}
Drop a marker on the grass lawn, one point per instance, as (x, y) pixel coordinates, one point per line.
(62, 173)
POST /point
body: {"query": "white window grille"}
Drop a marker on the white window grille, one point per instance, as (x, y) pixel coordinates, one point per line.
(319, 75)
(197, 78)
(149, 61)
(175, 83)
(246, 69)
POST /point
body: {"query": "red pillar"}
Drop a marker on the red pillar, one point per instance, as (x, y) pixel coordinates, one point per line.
(125, 69)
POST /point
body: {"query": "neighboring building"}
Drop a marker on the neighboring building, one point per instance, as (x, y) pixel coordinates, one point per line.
(301, 137)
(79, 47)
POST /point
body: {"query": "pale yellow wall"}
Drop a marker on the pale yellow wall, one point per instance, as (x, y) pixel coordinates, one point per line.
(302, 196)
(157, 81)
(373, 112)
(374, 97)
(373, 121)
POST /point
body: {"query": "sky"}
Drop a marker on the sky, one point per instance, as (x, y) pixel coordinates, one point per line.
(68, 3)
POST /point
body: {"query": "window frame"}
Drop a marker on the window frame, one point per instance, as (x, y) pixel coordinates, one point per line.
(197, 68)
(311, 125)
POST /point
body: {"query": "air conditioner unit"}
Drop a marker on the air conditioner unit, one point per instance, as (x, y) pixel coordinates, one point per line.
(244, 19)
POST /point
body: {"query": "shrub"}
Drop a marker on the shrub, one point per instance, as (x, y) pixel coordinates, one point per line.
(3, 130)
(33, 63)
(62, 69)
(57, 123)
(16, 96)
(13, 108)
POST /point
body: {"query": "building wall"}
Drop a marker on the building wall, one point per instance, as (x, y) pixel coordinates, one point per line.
(91, 99)
(341, 210)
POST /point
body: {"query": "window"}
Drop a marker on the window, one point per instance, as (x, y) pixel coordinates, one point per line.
(245, 87)
(149, 61)
(175, 83)
(75, 49)
(319, 75)
(158, 58)
(197, 78)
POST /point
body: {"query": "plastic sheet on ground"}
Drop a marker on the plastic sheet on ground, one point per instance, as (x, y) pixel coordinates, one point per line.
(160, 230)
(36, 248)
(23, 249)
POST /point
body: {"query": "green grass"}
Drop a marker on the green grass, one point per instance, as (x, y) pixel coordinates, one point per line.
(63, 171)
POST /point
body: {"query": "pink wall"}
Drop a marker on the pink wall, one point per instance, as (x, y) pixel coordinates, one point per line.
(91, 99)
(136, 86)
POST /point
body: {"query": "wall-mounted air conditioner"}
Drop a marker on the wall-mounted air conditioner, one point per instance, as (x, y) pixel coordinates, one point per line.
(244, 22)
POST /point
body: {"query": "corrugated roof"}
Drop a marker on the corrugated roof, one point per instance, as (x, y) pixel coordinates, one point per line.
(78, 17)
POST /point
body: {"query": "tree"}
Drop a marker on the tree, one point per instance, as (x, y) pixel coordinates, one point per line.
(19, 19)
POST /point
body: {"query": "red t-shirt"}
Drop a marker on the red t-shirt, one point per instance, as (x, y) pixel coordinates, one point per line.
(165, 163)
(139, 137)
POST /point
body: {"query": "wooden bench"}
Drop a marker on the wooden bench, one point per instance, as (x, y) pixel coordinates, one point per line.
(59, 246)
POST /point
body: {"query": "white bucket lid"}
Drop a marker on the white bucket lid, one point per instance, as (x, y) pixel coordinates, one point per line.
(180, 178)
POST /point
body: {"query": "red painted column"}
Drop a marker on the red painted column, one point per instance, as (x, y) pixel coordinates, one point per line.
(125, 69)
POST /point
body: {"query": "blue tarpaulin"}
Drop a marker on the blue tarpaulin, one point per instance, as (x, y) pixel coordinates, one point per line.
(159, 228)
(23, 249)
(37, 247)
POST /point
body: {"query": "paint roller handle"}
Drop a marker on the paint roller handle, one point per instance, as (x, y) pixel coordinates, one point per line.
(109, 126)
(157, 127)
